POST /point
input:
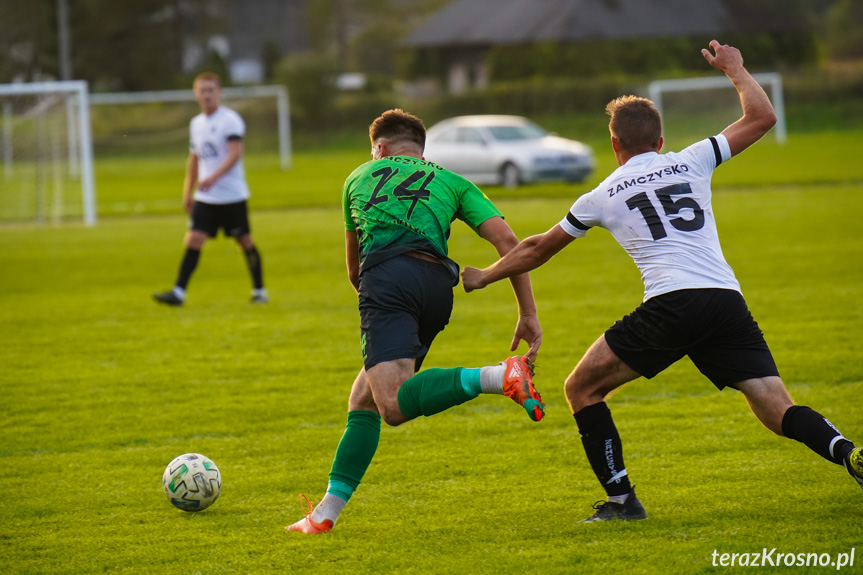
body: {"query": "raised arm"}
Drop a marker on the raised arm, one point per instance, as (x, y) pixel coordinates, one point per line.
(497, 232)
(531, 253)
(758, 114)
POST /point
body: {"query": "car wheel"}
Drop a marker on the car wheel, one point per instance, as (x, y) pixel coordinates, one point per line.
(510, 175)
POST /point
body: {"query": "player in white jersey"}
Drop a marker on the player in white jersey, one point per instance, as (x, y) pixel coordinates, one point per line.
(658, 207)
(215, 190)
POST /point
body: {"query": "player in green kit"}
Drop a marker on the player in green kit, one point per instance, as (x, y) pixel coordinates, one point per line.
(398, 211)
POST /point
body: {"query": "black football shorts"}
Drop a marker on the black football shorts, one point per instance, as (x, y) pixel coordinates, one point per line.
(712, 326)
(404, 303)
(210, 218)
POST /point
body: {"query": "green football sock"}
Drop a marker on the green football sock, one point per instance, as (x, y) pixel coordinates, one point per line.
(354, 453)
(432, 391)
(471, 380)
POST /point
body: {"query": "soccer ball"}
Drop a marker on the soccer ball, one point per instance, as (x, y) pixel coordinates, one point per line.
(192, 482)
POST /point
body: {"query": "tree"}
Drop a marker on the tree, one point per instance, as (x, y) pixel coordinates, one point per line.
(844, 30)
(270, 56)
(28, 40)
(311, 79)
(128, 45)
(364, 34)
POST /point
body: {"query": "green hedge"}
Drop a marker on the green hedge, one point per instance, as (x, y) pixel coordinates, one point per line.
(816, 100)
(652, 56)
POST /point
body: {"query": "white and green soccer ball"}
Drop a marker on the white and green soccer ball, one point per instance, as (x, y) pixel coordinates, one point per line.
(192, 482)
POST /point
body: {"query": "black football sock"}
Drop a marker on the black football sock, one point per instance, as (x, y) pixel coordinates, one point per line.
(253, 258)
(603, 448)
(190, 262)
(816, 432)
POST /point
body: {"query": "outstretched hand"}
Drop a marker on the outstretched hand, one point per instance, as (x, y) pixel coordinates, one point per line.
(471, 279)
(529, 330)
(726, 59)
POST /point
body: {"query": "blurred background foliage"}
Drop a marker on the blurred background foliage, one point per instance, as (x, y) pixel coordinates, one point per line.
(138, 45)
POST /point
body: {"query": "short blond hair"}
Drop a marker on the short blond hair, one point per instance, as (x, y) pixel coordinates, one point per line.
(208, 76)
(635, 123)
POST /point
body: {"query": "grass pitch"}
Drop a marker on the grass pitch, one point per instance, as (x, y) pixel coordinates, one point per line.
(154, 185)
(101, 389)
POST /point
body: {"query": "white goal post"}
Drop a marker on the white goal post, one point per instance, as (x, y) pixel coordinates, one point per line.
(80, 141)
(280, 93)
(773, 80)
(46, 143)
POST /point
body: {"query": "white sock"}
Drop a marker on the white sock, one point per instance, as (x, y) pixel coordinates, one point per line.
(491, 378)
(329, 508)
(179, 292)
(261, 291)
(618, 498)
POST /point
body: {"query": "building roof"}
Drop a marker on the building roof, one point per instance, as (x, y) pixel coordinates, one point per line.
(252, 22)
(468, 23)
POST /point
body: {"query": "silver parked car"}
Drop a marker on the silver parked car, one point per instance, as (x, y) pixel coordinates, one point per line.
(506, 150)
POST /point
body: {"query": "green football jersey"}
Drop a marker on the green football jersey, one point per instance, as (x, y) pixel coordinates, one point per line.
(398, 204)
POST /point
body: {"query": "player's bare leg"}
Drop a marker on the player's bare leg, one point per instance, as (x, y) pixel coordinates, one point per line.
(195, 239)
(771, 404)
(599, 373)
(384, 380)
(768, 399)
(193, 242)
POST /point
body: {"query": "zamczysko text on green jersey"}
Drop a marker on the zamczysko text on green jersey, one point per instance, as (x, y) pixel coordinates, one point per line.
(414, 162)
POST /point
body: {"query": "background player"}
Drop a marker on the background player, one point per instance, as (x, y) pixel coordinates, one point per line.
(398, 210)
(658, 207)
(214, 172)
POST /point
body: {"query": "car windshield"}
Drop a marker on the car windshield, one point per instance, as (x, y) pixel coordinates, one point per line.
(512, 133)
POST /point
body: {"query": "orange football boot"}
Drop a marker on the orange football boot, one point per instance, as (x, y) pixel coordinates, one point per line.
(308, 526)
(518, 385)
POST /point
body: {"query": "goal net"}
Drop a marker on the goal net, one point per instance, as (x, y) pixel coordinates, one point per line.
(46, 168)
(50, 131)
(695, 108)
(143, 123)
(141, 141)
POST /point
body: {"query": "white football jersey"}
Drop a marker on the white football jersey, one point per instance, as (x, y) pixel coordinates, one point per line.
(208, 136)
(658, 208)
